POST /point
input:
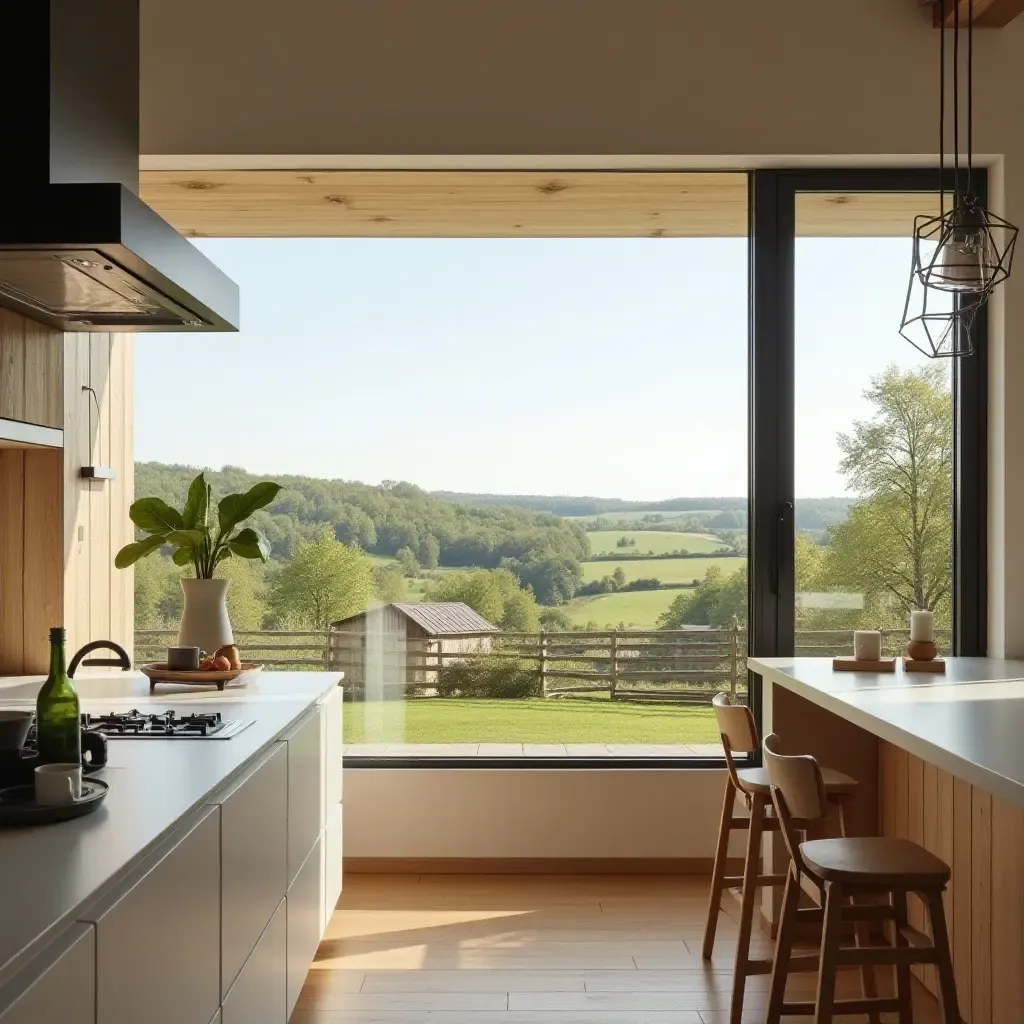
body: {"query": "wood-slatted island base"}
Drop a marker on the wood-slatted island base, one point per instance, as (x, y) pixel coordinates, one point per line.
(493, 949)
(941, 761)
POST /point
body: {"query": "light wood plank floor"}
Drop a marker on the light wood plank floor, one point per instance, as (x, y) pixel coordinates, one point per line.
(490, 949)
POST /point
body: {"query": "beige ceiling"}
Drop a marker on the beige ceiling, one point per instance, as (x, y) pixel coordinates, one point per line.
(499, 204)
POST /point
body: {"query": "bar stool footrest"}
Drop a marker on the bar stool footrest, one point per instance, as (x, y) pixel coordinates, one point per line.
(881, 1004)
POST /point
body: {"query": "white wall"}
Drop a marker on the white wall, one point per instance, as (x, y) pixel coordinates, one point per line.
(729, 83)
(528, 813)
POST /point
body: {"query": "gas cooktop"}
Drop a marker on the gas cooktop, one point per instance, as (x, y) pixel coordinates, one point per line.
(169, 725)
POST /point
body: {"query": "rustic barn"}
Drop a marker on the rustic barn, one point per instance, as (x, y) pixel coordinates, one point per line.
(391, 649)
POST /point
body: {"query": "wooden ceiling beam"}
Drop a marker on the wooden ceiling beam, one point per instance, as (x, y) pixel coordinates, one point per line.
(987, 13)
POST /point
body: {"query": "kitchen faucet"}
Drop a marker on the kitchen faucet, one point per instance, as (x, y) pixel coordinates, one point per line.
(122, 658)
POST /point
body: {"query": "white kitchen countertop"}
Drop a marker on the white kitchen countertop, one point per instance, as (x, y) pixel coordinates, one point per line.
(969, 721)
(48, 873)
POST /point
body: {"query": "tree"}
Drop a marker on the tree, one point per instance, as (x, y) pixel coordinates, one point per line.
(247, 604)
(493, 593)
(158, 600)
(388, 582)
(619, 576)
(553, 579)
(897, 540)
(430, 552)
(325, 581)
(714, 602)
(407, 560)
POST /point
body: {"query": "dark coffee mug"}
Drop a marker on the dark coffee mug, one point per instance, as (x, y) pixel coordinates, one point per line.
(183, 659)
(94, 750)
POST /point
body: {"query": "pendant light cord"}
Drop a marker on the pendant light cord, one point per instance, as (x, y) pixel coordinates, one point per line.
(970, 94)
(956, 103)
(942, 106)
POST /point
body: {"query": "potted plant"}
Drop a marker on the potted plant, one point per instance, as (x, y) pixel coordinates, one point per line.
(203, 544)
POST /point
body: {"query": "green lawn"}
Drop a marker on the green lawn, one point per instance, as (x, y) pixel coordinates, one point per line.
(658, 542)
(668, 570)
(639, 609)
(437, 720)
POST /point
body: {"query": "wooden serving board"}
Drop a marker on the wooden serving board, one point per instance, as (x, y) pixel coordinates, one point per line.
(936, 665)
(160, 673)
(848, 663)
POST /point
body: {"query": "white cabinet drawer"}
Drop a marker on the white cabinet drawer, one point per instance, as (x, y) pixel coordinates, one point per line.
(158, 945)
(254, 851)
(258, 994)
(333, 740)
(305, 899)
(332, 867)
(305, 797)
(60, 987)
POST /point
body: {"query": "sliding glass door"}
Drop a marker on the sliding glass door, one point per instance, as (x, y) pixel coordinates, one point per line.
(867, 455)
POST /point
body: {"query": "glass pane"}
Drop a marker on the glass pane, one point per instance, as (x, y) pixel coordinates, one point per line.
(873, 431)
(515, 475)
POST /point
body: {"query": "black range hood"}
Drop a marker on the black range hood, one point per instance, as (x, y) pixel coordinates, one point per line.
(78, 248)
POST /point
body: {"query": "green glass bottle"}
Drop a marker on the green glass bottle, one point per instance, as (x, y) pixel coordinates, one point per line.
(58, 714)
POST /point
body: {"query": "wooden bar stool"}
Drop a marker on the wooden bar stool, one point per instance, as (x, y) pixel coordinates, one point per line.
(739, 736)
(843, 869)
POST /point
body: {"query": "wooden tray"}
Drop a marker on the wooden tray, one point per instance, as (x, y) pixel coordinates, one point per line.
(160, 673)
(18, 805)
(936, 665)
(848, 663)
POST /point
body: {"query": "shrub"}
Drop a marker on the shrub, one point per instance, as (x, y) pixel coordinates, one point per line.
(644, 583)
(495, 677)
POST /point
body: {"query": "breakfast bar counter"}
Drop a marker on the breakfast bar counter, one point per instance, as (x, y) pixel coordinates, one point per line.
(940, 760)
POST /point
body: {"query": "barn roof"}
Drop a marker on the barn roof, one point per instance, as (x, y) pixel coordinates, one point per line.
(440, 618)
(446, 617)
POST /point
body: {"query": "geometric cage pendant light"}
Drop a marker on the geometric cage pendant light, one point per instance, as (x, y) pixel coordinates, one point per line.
(964, 253)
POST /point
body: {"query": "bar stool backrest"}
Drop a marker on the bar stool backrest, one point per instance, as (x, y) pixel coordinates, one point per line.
(736, 724)
(798, 792)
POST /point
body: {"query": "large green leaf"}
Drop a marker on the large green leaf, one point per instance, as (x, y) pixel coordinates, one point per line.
(187, 539)
(236, 508)
(131, 553)
(155, 516)
(196, 503)
(183, 556)
(250, 543)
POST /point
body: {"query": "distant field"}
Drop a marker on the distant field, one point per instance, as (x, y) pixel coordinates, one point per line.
(602, 542)
(639, 609)
(668, 570)
(628, 517)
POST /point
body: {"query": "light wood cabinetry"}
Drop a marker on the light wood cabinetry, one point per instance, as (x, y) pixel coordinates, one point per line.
(982, 839)
(305, 910)
(158, 944)
(62, 988)
(305, 781)
(30, 371)
(253, 824)
(258, 994)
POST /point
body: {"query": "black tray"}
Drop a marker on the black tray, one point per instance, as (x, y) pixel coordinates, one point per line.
(18, 805)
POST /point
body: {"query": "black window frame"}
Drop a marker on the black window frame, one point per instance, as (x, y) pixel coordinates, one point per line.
(771, 453)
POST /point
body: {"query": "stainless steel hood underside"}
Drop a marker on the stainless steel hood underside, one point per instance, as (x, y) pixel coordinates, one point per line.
(78, 248)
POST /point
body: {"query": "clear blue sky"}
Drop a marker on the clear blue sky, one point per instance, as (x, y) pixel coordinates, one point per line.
(610, 367)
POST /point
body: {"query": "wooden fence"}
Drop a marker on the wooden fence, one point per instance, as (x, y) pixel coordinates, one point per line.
(676, 666)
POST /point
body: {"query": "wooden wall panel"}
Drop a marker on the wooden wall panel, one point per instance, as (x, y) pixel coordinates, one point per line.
(12, 519)
(30, 371)
(99, 598)
(58, 531)
(982, 839)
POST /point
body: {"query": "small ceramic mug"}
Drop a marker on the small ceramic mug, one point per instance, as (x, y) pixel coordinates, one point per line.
(58, 784)
(867, 645)
(183, 659)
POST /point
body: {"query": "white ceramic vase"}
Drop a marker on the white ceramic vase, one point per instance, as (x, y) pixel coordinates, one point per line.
(204, 621)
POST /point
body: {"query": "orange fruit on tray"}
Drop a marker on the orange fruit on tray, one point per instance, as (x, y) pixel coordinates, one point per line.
(207, 665)
(230, 651)
(221, 664)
